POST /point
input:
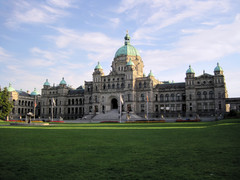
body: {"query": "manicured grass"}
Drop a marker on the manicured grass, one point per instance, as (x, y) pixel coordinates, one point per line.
(202, 150)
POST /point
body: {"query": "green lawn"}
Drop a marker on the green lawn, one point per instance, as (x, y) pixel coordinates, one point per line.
(204, 150)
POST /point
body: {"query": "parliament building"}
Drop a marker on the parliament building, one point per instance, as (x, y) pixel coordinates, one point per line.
(204, 95)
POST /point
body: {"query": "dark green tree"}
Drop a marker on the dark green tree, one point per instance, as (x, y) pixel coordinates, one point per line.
(5, 105)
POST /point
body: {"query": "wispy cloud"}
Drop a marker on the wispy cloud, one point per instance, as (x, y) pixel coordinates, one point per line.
(32, 12)
(62, 3)
(4, 55)
(204, 45)
(97, 45)
(161, 14)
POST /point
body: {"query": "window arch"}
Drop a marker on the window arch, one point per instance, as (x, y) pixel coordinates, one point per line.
(167, 97)
(204, 95)
(140, 85)
(211, 94)
(199, 95)
(161, 97)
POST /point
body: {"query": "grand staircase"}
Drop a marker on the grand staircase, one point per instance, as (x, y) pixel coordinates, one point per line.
(114, 116)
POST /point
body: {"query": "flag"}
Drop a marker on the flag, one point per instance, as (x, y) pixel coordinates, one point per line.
(35, 104)
(147, 99)
(53, 102)
(121, 99)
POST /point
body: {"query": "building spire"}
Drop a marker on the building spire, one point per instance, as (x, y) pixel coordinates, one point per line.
(127, 38)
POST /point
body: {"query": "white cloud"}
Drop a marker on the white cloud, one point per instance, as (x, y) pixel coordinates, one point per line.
(97, 45)
(204, 45)
(4, 55)
(30, 12)
(61, 3)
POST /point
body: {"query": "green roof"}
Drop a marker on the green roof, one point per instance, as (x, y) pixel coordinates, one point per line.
(127, 49)
(46, 83)
(10, 88)
(190, 70)
(98, 66)
(63, 82)
(34, 93)
(218, 68)
(150, 74)
(130, 63)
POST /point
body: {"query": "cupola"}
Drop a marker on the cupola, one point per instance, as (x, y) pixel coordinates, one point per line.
(150, 74)
(46, 83)
(10, 88)
(63, 82)
(34, 93)
(98, 66)
(218, 70)
(127, 49)
(190, 70)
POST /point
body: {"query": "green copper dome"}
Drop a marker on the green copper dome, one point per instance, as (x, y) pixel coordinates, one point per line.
(46, 83)
(98, 66)
(127, 49)
(10, 88)
(190, 70)
(130, 63)
(34, 93)
(150, 74)
(63, 82)
(218, 68)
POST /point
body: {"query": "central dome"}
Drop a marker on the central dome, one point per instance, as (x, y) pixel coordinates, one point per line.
(127, 49)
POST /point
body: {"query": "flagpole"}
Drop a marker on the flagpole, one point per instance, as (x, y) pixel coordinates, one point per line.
(147, 106)
(120, 108)
(52, 109)
(34, 109)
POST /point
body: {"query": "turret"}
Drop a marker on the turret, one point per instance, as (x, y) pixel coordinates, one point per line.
(218, 70)
(46, 84)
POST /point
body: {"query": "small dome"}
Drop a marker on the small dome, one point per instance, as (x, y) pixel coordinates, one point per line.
(46, 83)
(218, 68)
(130, 63)
(127, 49)
(98, 66)
(63, 82)
(150, 74)
(10, 88)
(190, 70)
(34, 93)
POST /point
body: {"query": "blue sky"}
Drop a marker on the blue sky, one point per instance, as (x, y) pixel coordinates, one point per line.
(51, 39)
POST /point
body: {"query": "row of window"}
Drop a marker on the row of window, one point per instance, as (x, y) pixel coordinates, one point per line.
(24, 103)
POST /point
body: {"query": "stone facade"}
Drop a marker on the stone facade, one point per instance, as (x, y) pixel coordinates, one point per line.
(203, 95)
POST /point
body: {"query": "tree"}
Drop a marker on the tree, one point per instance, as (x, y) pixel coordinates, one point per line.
(5, 105)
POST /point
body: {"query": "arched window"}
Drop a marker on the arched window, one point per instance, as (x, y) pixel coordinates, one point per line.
(90, 99)
(178, 97)
(172, 97)
(142, 97)
(113, 86)
(161, 97)
(198, 95)
(211, 95)
(156, 97)
(140, 85)
(167, 97)
(109, 87)
(144, 84)
(204, 95)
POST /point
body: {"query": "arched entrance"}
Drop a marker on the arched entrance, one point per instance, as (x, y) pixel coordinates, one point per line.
(114, 103)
